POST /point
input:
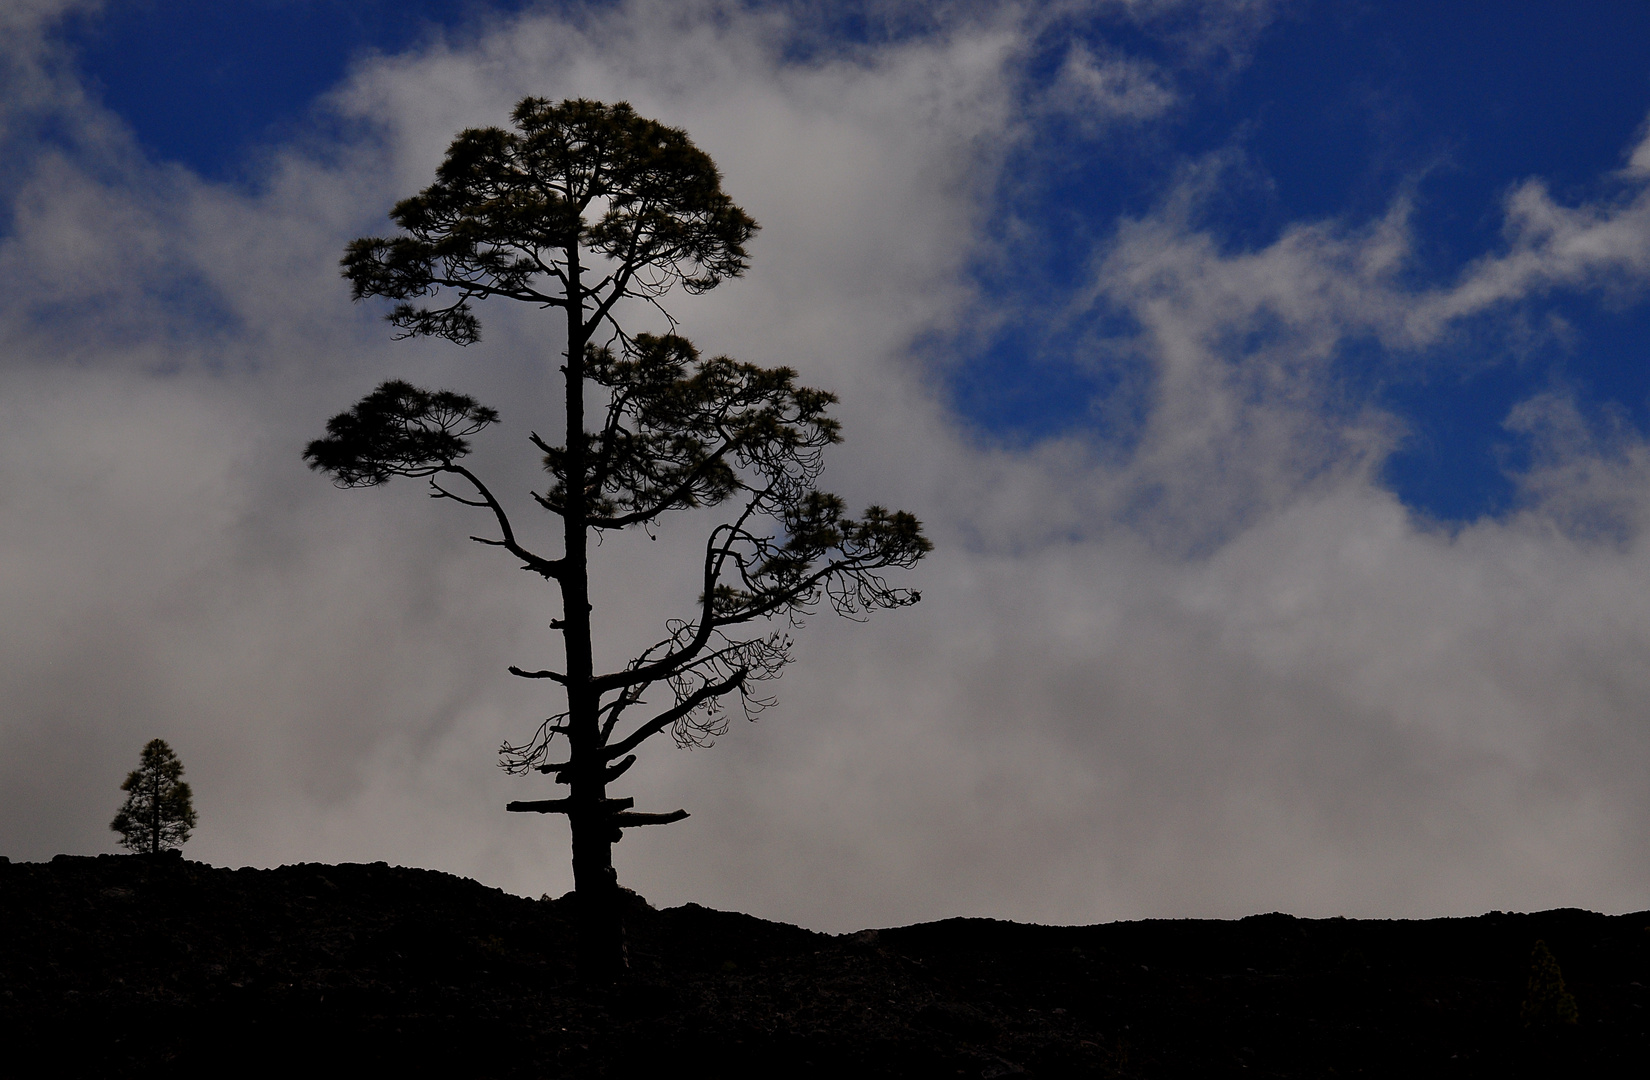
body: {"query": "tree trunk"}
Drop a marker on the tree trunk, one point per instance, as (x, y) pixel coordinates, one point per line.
(154, 813)
(601, 946)
(601, 952)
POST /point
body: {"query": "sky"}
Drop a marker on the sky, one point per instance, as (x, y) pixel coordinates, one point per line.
(1270, 375)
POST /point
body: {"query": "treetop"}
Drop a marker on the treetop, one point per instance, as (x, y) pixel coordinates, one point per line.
(510, 212)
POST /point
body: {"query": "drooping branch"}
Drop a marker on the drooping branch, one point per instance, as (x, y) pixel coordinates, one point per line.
(783, 577)
(682, 648)
(665, 719)
(547, 568)
(776, 576)
(759, 658)
(528, 755)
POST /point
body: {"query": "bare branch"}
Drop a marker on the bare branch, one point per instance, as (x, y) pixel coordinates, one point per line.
(549, 568)
(630, 695)
(443, 493)
(715, 559)
(541, 806)
(555, 675)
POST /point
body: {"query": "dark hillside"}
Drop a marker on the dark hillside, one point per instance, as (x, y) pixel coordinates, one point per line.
(129, 966)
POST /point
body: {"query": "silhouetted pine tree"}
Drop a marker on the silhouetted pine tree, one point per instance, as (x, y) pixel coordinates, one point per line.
(594, 213)
(158, 813)
(1546, 999)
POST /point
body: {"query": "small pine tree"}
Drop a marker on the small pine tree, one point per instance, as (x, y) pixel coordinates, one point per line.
(1546, 1000)
(158, 813)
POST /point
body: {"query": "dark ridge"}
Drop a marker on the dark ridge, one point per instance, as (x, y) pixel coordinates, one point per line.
(135, 966)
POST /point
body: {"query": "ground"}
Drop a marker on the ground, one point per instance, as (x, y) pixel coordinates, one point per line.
(137, 965)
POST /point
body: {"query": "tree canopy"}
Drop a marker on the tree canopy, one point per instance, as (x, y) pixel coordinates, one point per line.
(511, 212)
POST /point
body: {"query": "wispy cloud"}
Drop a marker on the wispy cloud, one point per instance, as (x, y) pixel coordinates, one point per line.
(1114, 89)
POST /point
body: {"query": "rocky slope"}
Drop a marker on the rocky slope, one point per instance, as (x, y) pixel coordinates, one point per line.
(130, 966)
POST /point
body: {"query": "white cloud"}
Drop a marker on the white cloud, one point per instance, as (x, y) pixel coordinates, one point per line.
(1226, 673)
(1603, 245)
(34, 77)
(1114, 89)
(1638, 161)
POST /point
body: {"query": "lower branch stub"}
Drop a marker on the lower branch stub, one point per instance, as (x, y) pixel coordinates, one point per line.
(565, 806)
(631, 820)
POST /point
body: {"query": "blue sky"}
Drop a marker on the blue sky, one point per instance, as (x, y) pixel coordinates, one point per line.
(1333, 108)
